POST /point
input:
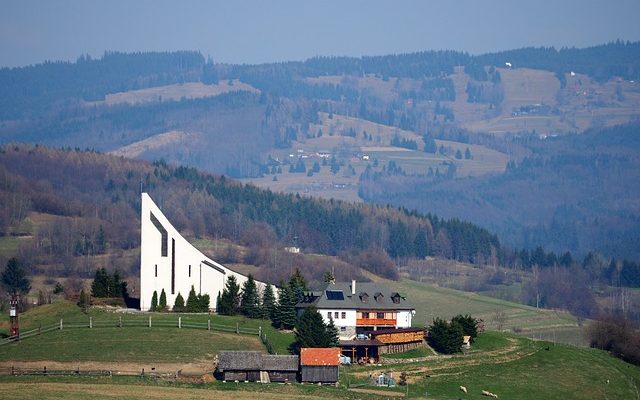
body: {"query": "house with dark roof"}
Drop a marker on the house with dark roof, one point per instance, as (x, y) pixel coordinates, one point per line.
(254, 366)
(357, 307)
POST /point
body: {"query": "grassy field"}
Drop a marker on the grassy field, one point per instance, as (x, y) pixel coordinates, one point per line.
(433, 301)
(189, 90)
(124, 388)
(515, 368)
(508, 365)
(132, 341)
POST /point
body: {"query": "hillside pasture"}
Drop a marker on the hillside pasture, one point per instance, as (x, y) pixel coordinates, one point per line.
(176, 92)
(433, 301)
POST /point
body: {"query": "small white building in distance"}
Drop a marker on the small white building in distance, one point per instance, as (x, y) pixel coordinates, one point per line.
(168, 261)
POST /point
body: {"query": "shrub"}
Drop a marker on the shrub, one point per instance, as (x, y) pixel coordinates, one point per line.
(445, 337)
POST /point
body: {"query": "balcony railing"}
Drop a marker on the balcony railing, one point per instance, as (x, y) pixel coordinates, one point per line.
(375, 322)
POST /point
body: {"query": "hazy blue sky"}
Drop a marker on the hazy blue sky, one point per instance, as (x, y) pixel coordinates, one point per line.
(263, 31)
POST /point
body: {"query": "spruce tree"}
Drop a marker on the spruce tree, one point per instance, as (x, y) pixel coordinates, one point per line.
(285, 317)
(178, 306)
(154, 301)
(230, 298)
(310, 330)
(331, 333)
(192, 301)
(101, 285)
(268, 302)
(250, 303)
(298, 285)
(162, 304)
(14, 279)
(203, 302)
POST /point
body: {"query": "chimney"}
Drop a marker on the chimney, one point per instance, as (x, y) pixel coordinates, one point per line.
(353, 287)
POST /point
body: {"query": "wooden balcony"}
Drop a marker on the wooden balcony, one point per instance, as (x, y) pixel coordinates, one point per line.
(375, 322)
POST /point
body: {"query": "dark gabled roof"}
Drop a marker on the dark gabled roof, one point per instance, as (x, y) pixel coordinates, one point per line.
(279, 363)
(368, 295)
(239, 360)
(255, 361)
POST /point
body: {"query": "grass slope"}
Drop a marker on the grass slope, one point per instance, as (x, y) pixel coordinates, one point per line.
(134, 342)
(433, 301)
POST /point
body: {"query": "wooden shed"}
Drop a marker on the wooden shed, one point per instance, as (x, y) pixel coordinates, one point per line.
(319, 365)
(254, 366)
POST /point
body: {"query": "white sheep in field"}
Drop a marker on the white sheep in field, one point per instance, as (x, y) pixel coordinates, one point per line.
(489, 394)
(464, 389)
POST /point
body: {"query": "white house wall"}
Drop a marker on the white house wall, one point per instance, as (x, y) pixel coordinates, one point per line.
(207, 276)
(404, 319)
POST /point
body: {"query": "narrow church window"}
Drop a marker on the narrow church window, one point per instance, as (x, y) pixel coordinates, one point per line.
(189, 271)
(156, 270)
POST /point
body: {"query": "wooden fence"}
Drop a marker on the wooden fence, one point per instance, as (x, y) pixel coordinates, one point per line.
(141, 323)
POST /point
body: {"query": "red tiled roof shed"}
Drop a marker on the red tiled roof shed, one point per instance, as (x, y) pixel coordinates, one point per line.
(326, 356)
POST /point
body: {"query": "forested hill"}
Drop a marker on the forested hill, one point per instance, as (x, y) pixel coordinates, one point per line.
(32, 89)
(105, 190)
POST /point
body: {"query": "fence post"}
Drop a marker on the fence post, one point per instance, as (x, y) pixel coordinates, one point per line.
(260, 331)
(120, 322)
(149, 323)
(237, 328)
(60, 323)
(179, 322)
(90, 322)
(209, 324)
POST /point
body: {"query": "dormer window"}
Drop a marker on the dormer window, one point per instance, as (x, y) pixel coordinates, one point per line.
(395, 298)
(379, 297)
(364, 297)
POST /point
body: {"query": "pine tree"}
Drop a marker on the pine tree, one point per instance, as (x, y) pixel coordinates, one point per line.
(310, 330)
(178, 306)
(101, 285)
(203, 302)
(230, 298)
(250, 303)
(420, 245)
(14, 279)
(285, 315)
(268, 302)
(192, 301)
(162, 304)
(332, 334)
(154, 301)
(328, 277)
(298, 285)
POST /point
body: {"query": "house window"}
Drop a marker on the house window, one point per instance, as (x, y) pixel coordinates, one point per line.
(344, 315)
(329, 315)
(365, 315)
(343, 329)
(335, 315)
(189, 271)
(380, 315)
(156, 270)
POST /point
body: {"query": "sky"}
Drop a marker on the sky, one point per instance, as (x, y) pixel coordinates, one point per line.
(241, 31)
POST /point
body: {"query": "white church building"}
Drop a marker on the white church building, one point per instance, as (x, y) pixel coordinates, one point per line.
(168, 261)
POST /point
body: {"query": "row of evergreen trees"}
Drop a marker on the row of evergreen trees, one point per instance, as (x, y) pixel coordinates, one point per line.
(108, 285)
(195, 302)
(249, 302)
